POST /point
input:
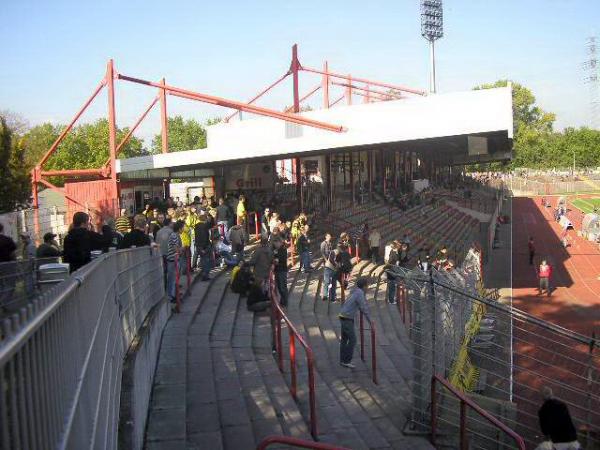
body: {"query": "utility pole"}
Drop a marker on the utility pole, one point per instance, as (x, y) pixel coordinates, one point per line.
(432, 29)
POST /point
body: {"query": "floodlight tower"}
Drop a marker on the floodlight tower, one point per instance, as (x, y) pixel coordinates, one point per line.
(591, 67)
(432, 28)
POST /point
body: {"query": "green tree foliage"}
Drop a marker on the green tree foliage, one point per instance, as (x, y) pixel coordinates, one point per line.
(15, 187)
(183, 135)
(537, 145)
(85, 146)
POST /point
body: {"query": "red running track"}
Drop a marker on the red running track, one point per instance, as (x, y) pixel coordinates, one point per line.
(574, 304)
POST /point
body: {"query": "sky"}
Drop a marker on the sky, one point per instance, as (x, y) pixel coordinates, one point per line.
(54, 53)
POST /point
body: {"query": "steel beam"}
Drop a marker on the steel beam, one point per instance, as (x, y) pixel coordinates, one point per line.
(366, 89)
(364, 80)
(325, 85)
(73, 172)
(305, 97)
(112, 121)
(259, 95)
(68, 128)
(219, 101)
(164, 118)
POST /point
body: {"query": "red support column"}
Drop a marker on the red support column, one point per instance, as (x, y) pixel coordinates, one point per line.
(349, 90)
(325, 85)
(164, 119)
(351, 163)
(112, 125)
(370, 172)
(367, 97)
(328, 183)
(295, 67)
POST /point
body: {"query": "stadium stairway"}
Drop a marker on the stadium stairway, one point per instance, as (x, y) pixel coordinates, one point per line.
(217, 384)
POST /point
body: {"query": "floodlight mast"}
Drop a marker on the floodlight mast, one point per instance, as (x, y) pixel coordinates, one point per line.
(432, 28)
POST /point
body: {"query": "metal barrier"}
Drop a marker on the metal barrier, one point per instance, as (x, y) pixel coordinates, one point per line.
(22, 281)
(277, 315)
(373, 347)
(295, 442)
(464, 402)
(500, 355)
(61, 357)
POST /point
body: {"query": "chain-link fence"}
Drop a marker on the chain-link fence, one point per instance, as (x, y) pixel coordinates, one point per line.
(500, 356)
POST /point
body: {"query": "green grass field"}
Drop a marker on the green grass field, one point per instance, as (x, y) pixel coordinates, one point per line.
(587, 205)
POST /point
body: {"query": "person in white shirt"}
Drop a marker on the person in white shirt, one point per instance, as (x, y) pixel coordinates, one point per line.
(374, 244)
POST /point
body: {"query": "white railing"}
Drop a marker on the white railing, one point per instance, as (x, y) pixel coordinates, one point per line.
(61, 357)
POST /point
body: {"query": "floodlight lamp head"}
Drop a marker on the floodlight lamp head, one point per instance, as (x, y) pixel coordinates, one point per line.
(432, 19)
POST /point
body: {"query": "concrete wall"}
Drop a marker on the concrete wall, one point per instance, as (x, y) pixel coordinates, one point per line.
(138, 376)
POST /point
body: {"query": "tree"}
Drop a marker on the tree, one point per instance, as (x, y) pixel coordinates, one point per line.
(85, 146)
(14, 189)
(183, 135)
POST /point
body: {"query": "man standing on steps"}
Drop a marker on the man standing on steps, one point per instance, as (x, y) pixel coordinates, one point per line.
(304, 250)
(374, 244)
(281, 269)
(355, 302)
(329, 268)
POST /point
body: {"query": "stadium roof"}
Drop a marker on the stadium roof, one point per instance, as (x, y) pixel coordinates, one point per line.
(456, 128)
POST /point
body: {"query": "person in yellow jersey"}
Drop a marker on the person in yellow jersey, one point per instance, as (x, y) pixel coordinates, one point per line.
(191, 221)
(186, 238)
(241, 210)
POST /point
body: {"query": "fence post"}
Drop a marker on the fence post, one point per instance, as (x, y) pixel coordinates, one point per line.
(362, 336)
(433, 412)
(373, 354)
(464, 445)
(293, 363)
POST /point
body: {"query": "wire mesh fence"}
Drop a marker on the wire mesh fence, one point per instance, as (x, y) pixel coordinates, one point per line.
(500, 356)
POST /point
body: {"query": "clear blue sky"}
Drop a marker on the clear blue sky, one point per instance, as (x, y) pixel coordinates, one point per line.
(54, 52)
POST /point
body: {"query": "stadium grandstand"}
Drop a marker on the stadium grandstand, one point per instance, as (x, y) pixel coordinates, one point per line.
(210, 310)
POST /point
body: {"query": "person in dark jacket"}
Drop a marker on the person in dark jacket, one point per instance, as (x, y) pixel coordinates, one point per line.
(111, 238)
(80, 241)
(556, 423)
(343, 263)
(304, 250)
(280, 255)
(265, 231)
(393, 262)
(136, 237)
(49, 249)
(203, 245)
(237, 238)
(224, 216)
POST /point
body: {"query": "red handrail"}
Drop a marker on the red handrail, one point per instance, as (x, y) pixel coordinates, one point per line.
(464, 402)
(300, 443)
(277, 315)
(373, 346)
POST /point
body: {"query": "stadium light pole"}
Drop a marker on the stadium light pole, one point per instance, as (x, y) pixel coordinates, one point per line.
(432, 29)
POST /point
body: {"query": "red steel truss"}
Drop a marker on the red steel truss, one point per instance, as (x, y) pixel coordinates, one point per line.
(352, 86)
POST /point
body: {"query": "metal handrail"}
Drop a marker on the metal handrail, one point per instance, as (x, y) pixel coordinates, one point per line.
(300, 443)
(277, 315)
(464, 402)
(373, 346)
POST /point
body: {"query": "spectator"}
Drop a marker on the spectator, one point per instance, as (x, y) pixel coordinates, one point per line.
(328, 255)
(155, 222)
(262, 260)
(162, 240)
(203, 246)
(425, 263)
(136, 237)
(406, 240)
(123, 223)
(111, 238)
(531, 248)
(403, 254)
(147, 212)
(49, 248)
(392, 262)
(304, 250)
(556, 424)
(265, 230)
(237, 238)
(7, 247)
(223, 217)
(80, 241)
(545, 273)
(374, 244)
(174, 247)
(355, 302)
(343, 261)
(29, 250)
(241, 210)
(280, 255)
(241, 279)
